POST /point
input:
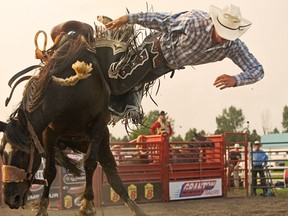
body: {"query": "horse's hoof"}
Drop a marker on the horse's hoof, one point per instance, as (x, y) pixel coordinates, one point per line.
(41, 214)
(87, 208)
(40, 206)
(80, 213)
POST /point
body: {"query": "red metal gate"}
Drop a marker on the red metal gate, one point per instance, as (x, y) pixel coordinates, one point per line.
(241, 140)
(186, 169)
(196, 169)
(140, 166)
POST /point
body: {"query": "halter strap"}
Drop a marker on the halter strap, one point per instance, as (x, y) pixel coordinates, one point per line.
(34, 137)
(14, 174)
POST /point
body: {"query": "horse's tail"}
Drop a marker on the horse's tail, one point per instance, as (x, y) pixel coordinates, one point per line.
(71, 165)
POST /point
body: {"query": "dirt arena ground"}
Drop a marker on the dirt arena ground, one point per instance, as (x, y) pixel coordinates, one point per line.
(264, 206)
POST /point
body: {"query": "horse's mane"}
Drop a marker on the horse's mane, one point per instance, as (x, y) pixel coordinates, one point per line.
(16, 130)
(68, 52)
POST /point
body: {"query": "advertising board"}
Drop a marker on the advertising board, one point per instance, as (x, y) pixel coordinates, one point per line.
(195, 189)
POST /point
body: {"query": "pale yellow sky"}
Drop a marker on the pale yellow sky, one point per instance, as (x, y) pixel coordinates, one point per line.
(190, 97)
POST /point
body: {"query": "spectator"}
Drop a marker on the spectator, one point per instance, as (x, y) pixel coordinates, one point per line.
(116, 151)
(234, 161)
(259, 160)
(162, 126)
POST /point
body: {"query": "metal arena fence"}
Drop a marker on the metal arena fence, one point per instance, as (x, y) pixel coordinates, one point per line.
(154, 170)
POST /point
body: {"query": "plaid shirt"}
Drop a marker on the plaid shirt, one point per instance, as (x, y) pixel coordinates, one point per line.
(186, 40)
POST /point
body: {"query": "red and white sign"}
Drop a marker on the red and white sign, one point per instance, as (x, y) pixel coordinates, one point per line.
(195, 189)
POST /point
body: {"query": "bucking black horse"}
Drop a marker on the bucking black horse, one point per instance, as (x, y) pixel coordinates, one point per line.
(66, 102)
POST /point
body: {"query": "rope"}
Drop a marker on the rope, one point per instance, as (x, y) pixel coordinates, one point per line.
(40, 54)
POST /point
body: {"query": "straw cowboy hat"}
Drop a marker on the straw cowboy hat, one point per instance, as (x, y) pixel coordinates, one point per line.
(236, 145)
(228, 21)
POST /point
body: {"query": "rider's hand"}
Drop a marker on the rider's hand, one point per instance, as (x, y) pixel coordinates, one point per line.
(117, 23)
(225, 81)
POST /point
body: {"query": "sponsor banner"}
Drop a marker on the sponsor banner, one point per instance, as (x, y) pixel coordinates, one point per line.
(72, 190)
(132, 191)
(54, 196)
(71, 179)
(73, 186)
(114, 197)
(140, 192)
(195, 189)
(72, 195)
(149, 191)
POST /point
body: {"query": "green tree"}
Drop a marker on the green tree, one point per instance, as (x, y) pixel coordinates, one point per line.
(119, 139)
(285, 119)
(275, 131)
(252, 137)
(231, 120)
(177, 139)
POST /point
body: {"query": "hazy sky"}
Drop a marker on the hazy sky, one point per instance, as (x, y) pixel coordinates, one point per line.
(190, 97)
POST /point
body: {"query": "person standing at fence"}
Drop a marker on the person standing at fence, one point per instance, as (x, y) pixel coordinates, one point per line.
(234, 162)
(259, 160)
(162, 126)
(116, 151)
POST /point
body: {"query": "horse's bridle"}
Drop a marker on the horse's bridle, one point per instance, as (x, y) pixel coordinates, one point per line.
(13, 174)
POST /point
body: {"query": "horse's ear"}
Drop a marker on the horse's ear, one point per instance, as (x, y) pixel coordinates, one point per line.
(3, 126)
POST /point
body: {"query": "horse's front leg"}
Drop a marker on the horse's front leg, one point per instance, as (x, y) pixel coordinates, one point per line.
(49, 171)
(49, 175)
(107, 161)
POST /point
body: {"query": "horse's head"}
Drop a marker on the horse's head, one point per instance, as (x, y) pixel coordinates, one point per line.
(19, 164)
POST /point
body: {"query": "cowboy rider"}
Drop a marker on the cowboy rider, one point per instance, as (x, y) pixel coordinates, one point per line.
(197, 37)
(186, 38)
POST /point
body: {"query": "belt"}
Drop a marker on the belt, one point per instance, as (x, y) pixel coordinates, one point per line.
(257, 166)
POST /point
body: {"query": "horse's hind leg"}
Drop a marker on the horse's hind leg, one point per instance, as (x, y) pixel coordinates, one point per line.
(107, 161)
(90, 163)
